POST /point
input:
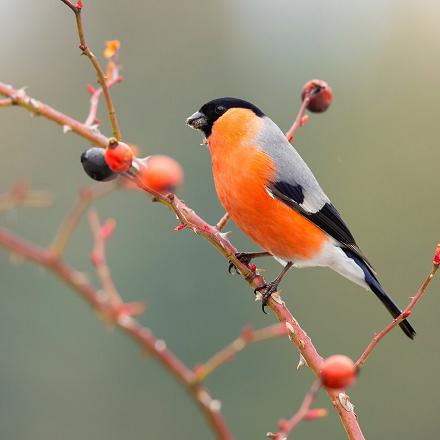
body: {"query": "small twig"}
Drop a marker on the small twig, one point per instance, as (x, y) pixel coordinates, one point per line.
(405, 313)
(40, 109)
(285, 427)
(299, 120)
(101, 233)
(70, 5)
(247, 336)
(222, 222)
(94, 101)
(20, 195)
(97, 66)
(86, 197)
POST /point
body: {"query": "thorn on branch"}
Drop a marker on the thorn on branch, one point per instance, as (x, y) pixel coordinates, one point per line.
(302, 362)
(344, 400)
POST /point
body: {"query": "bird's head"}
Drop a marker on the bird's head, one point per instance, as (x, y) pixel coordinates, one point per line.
(209, 113)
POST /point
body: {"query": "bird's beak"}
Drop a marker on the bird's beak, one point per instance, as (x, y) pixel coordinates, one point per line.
(197, 120)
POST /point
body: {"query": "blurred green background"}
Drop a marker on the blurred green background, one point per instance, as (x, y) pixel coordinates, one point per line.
(62, 374)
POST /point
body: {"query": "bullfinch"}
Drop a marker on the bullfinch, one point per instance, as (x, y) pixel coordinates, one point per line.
(272, 195)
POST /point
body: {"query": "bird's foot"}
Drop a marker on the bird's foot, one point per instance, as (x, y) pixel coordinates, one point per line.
(268, 289)
(246, 258)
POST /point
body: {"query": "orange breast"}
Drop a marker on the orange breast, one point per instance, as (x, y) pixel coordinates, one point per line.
(241, 172)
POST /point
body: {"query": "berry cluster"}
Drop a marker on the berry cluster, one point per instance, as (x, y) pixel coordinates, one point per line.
(158, 173)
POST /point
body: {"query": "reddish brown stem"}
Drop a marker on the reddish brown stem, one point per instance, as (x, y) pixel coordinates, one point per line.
(290, 134)
(247, 336)
(70, 5)
(73, 217)
(222, 222)
(94, 100)
(405, 313)
(141, 335)
(97, 66)
(38, 108)
(99, 260)
(287, 426)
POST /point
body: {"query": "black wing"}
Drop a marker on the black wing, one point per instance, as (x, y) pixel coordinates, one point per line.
(326, 218)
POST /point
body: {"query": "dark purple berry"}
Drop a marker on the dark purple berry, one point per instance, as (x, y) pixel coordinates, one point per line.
(95, 166)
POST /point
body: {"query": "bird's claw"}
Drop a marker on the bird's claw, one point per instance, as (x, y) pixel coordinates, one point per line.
(243, 257)
(232, 266)
(269, 289)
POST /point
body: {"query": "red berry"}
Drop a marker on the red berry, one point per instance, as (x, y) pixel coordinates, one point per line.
(320, 95)
(338, 372)
(118, 156)
(161, 173)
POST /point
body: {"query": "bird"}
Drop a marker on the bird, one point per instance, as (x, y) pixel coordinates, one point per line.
(271, 194)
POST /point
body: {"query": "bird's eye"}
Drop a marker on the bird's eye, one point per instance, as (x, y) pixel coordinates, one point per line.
(220, 109)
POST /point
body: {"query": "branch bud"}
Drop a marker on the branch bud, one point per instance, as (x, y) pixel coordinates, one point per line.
(436, 260)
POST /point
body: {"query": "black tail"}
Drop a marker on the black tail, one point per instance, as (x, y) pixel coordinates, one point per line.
(378, 290)
(391, 306)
